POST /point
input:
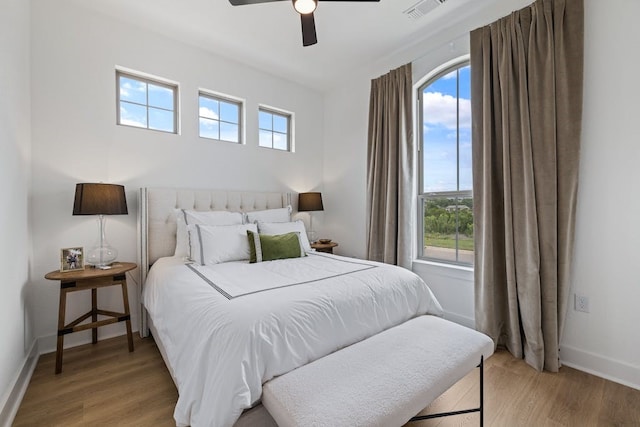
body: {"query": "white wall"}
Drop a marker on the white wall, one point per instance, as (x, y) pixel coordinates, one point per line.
(75, 138)
(607, 340)
(345, 165)
(15, 150)
(604, 341)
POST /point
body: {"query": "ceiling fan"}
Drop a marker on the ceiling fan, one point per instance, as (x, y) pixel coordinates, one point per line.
(305, 8)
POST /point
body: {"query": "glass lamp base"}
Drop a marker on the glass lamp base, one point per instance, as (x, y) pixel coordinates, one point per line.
(101, 254)
(312, 236)
(101, 257)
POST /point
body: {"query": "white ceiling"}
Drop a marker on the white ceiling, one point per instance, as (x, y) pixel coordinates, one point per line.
(268, 35)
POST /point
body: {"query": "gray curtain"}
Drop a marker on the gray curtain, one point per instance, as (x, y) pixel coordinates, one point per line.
(526, 94)
(390, 172)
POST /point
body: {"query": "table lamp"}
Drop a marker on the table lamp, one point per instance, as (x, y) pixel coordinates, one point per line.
(100, 199)
(309, 202)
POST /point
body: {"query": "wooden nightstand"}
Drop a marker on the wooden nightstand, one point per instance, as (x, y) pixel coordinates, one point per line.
(91, 278)
(324, 247)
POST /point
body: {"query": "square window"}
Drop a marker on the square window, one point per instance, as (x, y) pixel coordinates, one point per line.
(220, 118)
(274, 129)
(146, 103)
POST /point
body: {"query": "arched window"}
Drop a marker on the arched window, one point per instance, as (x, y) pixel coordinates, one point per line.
(445, 200)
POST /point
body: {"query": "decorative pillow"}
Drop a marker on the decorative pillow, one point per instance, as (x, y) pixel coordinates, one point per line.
(186, 217)
(274, 228)
(270, 215)
(213, 244)
(264, 247)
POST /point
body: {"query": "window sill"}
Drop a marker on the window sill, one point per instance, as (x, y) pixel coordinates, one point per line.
(443, 265)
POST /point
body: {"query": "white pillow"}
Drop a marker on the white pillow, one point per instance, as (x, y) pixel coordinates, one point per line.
(275, 228)
(270, 215)
(213, 244)
(186, 217)
(182, 237)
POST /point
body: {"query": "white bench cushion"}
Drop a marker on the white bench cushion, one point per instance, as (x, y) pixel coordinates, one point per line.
(381, 381)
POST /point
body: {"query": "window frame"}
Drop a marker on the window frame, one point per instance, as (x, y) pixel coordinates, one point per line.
(219, 97)
(145, 78)
(424, 196)
(289, 116)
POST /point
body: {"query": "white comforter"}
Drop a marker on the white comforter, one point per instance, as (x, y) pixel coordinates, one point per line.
(231, 327)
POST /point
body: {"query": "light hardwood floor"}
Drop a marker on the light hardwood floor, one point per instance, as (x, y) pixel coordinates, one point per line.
(105, 385)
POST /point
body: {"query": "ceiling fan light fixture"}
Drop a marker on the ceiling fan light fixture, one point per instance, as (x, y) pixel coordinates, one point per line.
(305, 6)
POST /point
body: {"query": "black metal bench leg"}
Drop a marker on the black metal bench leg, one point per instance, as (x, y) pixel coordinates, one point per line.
(482, 391)
(479, 409)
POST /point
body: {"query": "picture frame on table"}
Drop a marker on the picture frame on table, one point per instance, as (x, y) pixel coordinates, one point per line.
(71, 259)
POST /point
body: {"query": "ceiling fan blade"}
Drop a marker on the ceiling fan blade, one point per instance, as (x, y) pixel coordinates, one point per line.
(245, 2)
(308, 29)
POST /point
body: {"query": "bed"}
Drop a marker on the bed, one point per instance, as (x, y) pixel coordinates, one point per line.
(226, 328)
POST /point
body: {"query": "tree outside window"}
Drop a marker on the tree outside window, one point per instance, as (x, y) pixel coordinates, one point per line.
(445, 199)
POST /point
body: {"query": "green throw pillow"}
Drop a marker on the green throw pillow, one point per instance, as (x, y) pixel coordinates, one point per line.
(264, 247)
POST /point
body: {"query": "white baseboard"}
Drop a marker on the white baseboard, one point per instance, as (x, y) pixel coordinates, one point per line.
(610, 369)
(11, 401)
(592, 363)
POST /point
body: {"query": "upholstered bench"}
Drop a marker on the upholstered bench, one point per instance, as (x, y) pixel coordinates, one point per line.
(382, 381)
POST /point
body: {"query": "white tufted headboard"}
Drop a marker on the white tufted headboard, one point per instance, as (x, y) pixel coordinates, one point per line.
(157, 222)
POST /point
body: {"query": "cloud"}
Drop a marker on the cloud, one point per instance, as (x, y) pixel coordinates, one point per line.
(279, 141)
(126, 118)
(440, 110)
(130, 122)
(126, 88)
(160, 89)
(208, 123)
(208, 113)
(209, 129)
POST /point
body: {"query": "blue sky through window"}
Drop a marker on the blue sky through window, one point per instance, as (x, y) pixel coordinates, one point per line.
(219, 119)
(146, 105)
(446, 128)
(274, 129)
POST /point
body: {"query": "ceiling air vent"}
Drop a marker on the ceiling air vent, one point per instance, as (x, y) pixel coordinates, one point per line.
(421, 8)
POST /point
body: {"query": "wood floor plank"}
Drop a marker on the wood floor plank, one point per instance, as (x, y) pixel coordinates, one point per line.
(101, 384)
(572, 392)
(104, 385)
(619, 407)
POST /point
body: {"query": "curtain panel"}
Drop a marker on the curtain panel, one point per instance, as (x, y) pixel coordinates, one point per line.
(526, 92)
(390, 169)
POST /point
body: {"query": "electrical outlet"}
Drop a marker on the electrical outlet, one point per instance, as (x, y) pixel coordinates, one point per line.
(581, 303)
